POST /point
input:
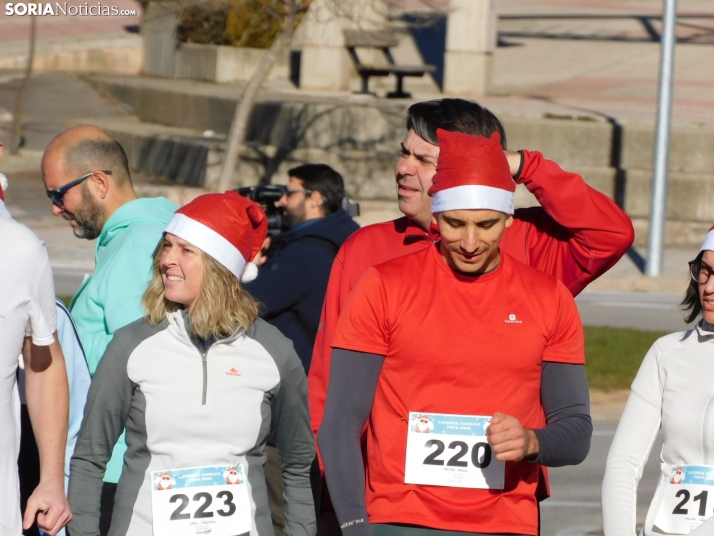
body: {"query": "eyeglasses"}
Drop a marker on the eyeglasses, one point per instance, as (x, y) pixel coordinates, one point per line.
(57, 194)
(288, 193)
(700, 272)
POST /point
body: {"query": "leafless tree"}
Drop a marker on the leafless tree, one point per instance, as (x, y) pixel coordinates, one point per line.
(239, 125)
(292, 9)
(16, 126)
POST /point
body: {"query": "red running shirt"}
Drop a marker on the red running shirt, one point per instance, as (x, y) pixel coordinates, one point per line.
(458, 345)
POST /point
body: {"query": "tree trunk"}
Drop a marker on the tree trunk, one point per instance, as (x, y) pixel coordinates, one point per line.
(239, 126)
(15, 129)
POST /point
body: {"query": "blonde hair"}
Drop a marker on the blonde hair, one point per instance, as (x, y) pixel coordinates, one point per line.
(222, 305)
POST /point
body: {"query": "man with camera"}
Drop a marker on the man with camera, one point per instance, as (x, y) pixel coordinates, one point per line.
(292, 281)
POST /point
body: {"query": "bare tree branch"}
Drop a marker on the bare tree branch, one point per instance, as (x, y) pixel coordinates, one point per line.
(15, 128)
(236, 136)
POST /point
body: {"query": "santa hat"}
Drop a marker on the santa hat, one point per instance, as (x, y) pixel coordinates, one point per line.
(228, 227)
(472, 173)
(709, 240)
(3, 186)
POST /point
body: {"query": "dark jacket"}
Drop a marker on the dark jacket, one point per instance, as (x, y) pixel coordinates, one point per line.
(291, 285)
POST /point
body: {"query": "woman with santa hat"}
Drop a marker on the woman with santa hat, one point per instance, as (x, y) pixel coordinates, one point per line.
(198, 384)
(673, 393)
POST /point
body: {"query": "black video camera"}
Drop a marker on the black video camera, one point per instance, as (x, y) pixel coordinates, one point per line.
(267, 196)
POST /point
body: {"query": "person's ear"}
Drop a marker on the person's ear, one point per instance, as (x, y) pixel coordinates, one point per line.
(317, 199)
(102, 183)
(509, 220)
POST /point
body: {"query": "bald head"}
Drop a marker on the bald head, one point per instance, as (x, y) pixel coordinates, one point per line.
(86, 175)
(86, 148)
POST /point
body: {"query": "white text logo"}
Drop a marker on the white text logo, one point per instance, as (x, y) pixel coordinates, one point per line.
(513, 320)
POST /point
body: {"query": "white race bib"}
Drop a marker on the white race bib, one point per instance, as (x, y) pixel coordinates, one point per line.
(200, 500)
(451, 450)
(688, 499)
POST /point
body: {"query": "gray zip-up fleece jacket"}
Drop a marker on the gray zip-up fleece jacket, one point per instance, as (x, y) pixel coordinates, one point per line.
(185, 407)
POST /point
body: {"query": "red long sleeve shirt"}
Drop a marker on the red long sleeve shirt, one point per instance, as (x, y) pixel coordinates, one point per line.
(576, 235)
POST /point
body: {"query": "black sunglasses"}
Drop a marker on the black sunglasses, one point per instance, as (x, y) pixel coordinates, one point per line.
(57, 194)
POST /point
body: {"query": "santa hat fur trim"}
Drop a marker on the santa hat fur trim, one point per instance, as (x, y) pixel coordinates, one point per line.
(208, 240)
(472, 173)
(473, 196)
(709, 241)
(228, 227)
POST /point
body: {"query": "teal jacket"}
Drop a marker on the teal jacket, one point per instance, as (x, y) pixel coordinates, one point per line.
(111, 298)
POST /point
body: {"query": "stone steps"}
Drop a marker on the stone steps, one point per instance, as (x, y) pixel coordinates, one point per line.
(360, 138)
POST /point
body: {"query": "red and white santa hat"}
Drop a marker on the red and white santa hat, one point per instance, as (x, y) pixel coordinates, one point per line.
(472, 173)
(229, 227)
(709, 240)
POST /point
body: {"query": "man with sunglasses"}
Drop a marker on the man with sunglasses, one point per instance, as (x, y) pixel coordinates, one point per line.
(291, 284)
(29, 327)
(86, 176)
(292, 281)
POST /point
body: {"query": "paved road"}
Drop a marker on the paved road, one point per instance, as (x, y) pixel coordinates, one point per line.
(67, 280)
(574, 506)
(658, 312)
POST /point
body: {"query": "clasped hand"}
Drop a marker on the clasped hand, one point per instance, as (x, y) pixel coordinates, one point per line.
(509, 440)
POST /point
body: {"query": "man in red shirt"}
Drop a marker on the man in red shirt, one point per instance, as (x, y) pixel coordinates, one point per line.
(576, 236)
(467, 384)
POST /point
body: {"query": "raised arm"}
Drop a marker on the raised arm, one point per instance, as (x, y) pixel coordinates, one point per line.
(353, 383)
(577, 235)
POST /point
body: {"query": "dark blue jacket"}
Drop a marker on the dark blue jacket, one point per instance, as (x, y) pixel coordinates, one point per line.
(291, 285)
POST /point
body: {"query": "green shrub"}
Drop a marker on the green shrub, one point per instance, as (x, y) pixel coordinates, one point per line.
(613, 356)
(239, 23)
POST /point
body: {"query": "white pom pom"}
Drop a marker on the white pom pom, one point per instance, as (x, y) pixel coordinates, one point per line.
(3, 182)
(250, 272)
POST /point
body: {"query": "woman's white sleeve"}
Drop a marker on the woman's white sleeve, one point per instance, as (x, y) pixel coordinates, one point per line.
(630, 448)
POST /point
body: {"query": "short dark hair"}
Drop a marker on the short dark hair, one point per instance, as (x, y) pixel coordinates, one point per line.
(322, 178)
(94, 154)
(454, 115)
(691, 303)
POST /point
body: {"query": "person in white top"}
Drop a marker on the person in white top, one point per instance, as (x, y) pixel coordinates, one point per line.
(673, 391)
(28, 322)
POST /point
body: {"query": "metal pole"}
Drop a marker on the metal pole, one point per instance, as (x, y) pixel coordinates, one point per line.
(658, 211)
